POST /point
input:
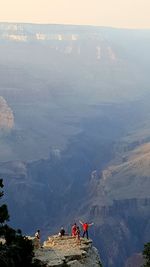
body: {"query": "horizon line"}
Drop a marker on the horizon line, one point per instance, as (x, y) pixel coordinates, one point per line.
(69, 24)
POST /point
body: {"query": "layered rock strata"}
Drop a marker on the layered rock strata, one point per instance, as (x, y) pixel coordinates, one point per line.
(67, 251)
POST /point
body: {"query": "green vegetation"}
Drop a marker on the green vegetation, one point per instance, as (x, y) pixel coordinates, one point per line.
(15, 249)
(146, 254)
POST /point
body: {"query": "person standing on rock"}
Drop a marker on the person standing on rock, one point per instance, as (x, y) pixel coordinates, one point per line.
(78, 235)
(85, 227)
(74, 229)
(38, 236)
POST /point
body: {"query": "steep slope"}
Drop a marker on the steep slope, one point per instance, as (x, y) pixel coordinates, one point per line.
(135, 174)
(120, 206)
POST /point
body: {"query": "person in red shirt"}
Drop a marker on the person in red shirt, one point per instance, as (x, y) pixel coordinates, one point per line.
(85, 227)
(74, 229)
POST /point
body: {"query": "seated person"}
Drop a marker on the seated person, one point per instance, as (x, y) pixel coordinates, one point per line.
(62, 232)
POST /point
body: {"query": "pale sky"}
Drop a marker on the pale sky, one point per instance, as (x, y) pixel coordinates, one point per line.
(114, 13)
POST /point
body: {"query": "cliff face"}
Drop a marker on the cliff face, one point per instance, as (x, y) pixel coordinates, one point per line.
(121, 229)
(120, 206)
(66, 251)
(6, 115)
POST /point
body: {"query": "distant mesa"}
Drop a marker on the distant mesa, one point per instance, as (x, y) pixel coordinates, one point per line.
(64, 39)
(6, 115)
(55, 153)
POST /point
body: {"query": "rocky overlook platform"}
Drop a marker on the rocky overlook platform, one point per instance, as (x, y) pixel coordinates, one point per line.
(66, 251)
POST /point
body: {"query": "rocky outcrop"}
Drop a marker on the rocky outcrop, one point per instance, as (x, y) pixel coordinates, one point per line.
(6, 115)
(66, 251)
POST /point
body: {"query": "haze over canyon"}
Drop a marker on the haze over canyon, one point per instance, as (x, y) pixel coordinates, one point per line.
(75, 132)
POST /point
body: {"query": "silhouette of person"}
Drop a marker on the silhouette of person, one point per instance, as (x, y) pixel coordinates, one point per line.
(38, 236)
(78, 235)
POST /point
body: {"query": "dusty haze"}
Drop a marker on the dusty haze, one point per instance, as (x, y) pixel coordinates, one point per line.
(116, 13)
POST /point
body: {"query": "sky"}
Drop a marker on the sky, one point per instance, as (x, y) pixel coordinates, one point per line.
(114, 13)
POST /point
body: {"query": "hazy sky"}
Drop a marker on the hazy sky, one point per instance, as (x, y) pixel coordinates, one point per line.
(115, 13)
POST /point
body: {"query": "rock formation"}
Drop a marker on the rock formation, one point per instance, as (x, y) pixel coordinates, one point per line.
(66, 251)
(6, 115)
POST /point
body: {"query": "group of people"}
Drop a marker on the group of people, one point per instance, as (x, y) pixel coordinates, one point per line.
(75, 231)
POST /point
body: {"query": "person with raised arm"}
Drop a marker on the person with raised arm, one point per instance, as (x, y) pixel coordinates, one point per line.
(85, 227)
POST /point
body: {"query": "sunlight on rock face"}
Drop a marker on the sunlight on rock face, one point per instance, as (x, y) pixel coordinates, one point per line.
(6, 115)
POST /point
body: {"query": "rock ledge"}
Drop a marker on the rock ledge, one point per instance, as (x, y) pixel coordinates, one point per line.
(66, 251)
